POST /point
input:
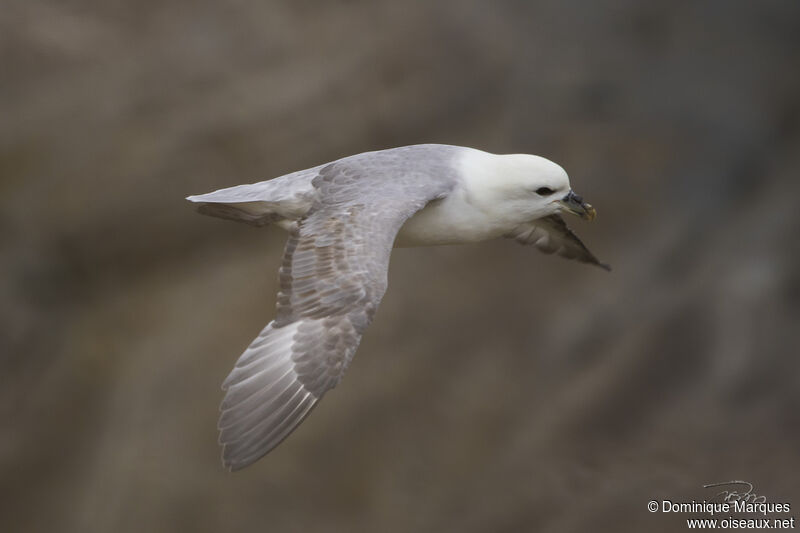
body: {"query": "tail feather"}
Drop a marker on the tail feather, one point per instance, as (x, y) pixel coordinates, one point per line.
(243, 203)
(239, 213)
(285, 198)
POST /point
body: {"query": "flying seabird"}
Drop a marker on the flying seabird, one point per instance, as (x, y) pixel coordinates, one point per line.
(343, 219)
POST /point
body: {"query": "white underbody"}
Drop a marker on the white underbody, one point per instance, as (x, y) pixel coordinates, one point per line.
(453, 220)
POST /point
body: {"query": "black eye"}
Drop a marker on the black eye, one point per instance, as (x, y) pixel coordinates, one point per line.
(544, 191)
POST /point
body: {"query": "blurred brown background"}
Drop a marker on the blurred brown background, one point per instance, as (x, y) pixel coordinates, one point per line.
(498, 389)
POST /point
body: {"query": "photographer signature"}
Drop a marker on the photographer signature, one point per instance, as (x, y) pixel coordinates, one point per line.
(733, 495)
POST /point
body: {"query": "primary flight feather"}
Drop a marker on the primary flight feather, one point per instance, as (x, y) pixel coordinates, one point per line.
(343, 219)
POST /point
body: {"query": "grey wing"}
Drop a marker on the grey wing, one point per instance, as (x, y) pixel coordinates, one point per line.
(552, 235)
(333, 276)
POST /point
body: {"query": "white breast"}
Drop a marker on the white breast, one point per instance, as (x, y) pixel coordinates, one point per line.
(453, 220)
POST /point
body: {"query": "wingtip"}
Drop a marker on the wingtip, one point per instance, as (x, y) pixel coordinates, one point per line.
(232, 466)
(227, 464)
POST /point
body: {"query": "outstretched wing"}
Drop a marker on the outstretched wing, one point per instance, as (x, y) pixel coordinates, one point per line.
(333, 276)
(552, 235)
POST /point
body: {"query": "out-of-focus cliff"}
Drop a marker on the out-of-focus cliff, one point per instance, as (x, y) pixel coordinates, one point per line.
(498, 389)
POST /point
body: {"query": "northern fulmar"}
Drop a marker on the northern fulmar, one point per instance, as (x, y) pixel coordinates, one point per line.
(343, 218)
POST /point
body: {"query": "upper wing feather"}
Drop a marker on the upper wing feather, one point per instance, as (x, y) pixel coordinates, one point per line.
(332, 278)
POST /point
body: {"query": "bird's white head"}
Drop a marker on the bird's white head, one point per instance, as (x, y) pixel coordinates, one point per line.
(520, 187)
